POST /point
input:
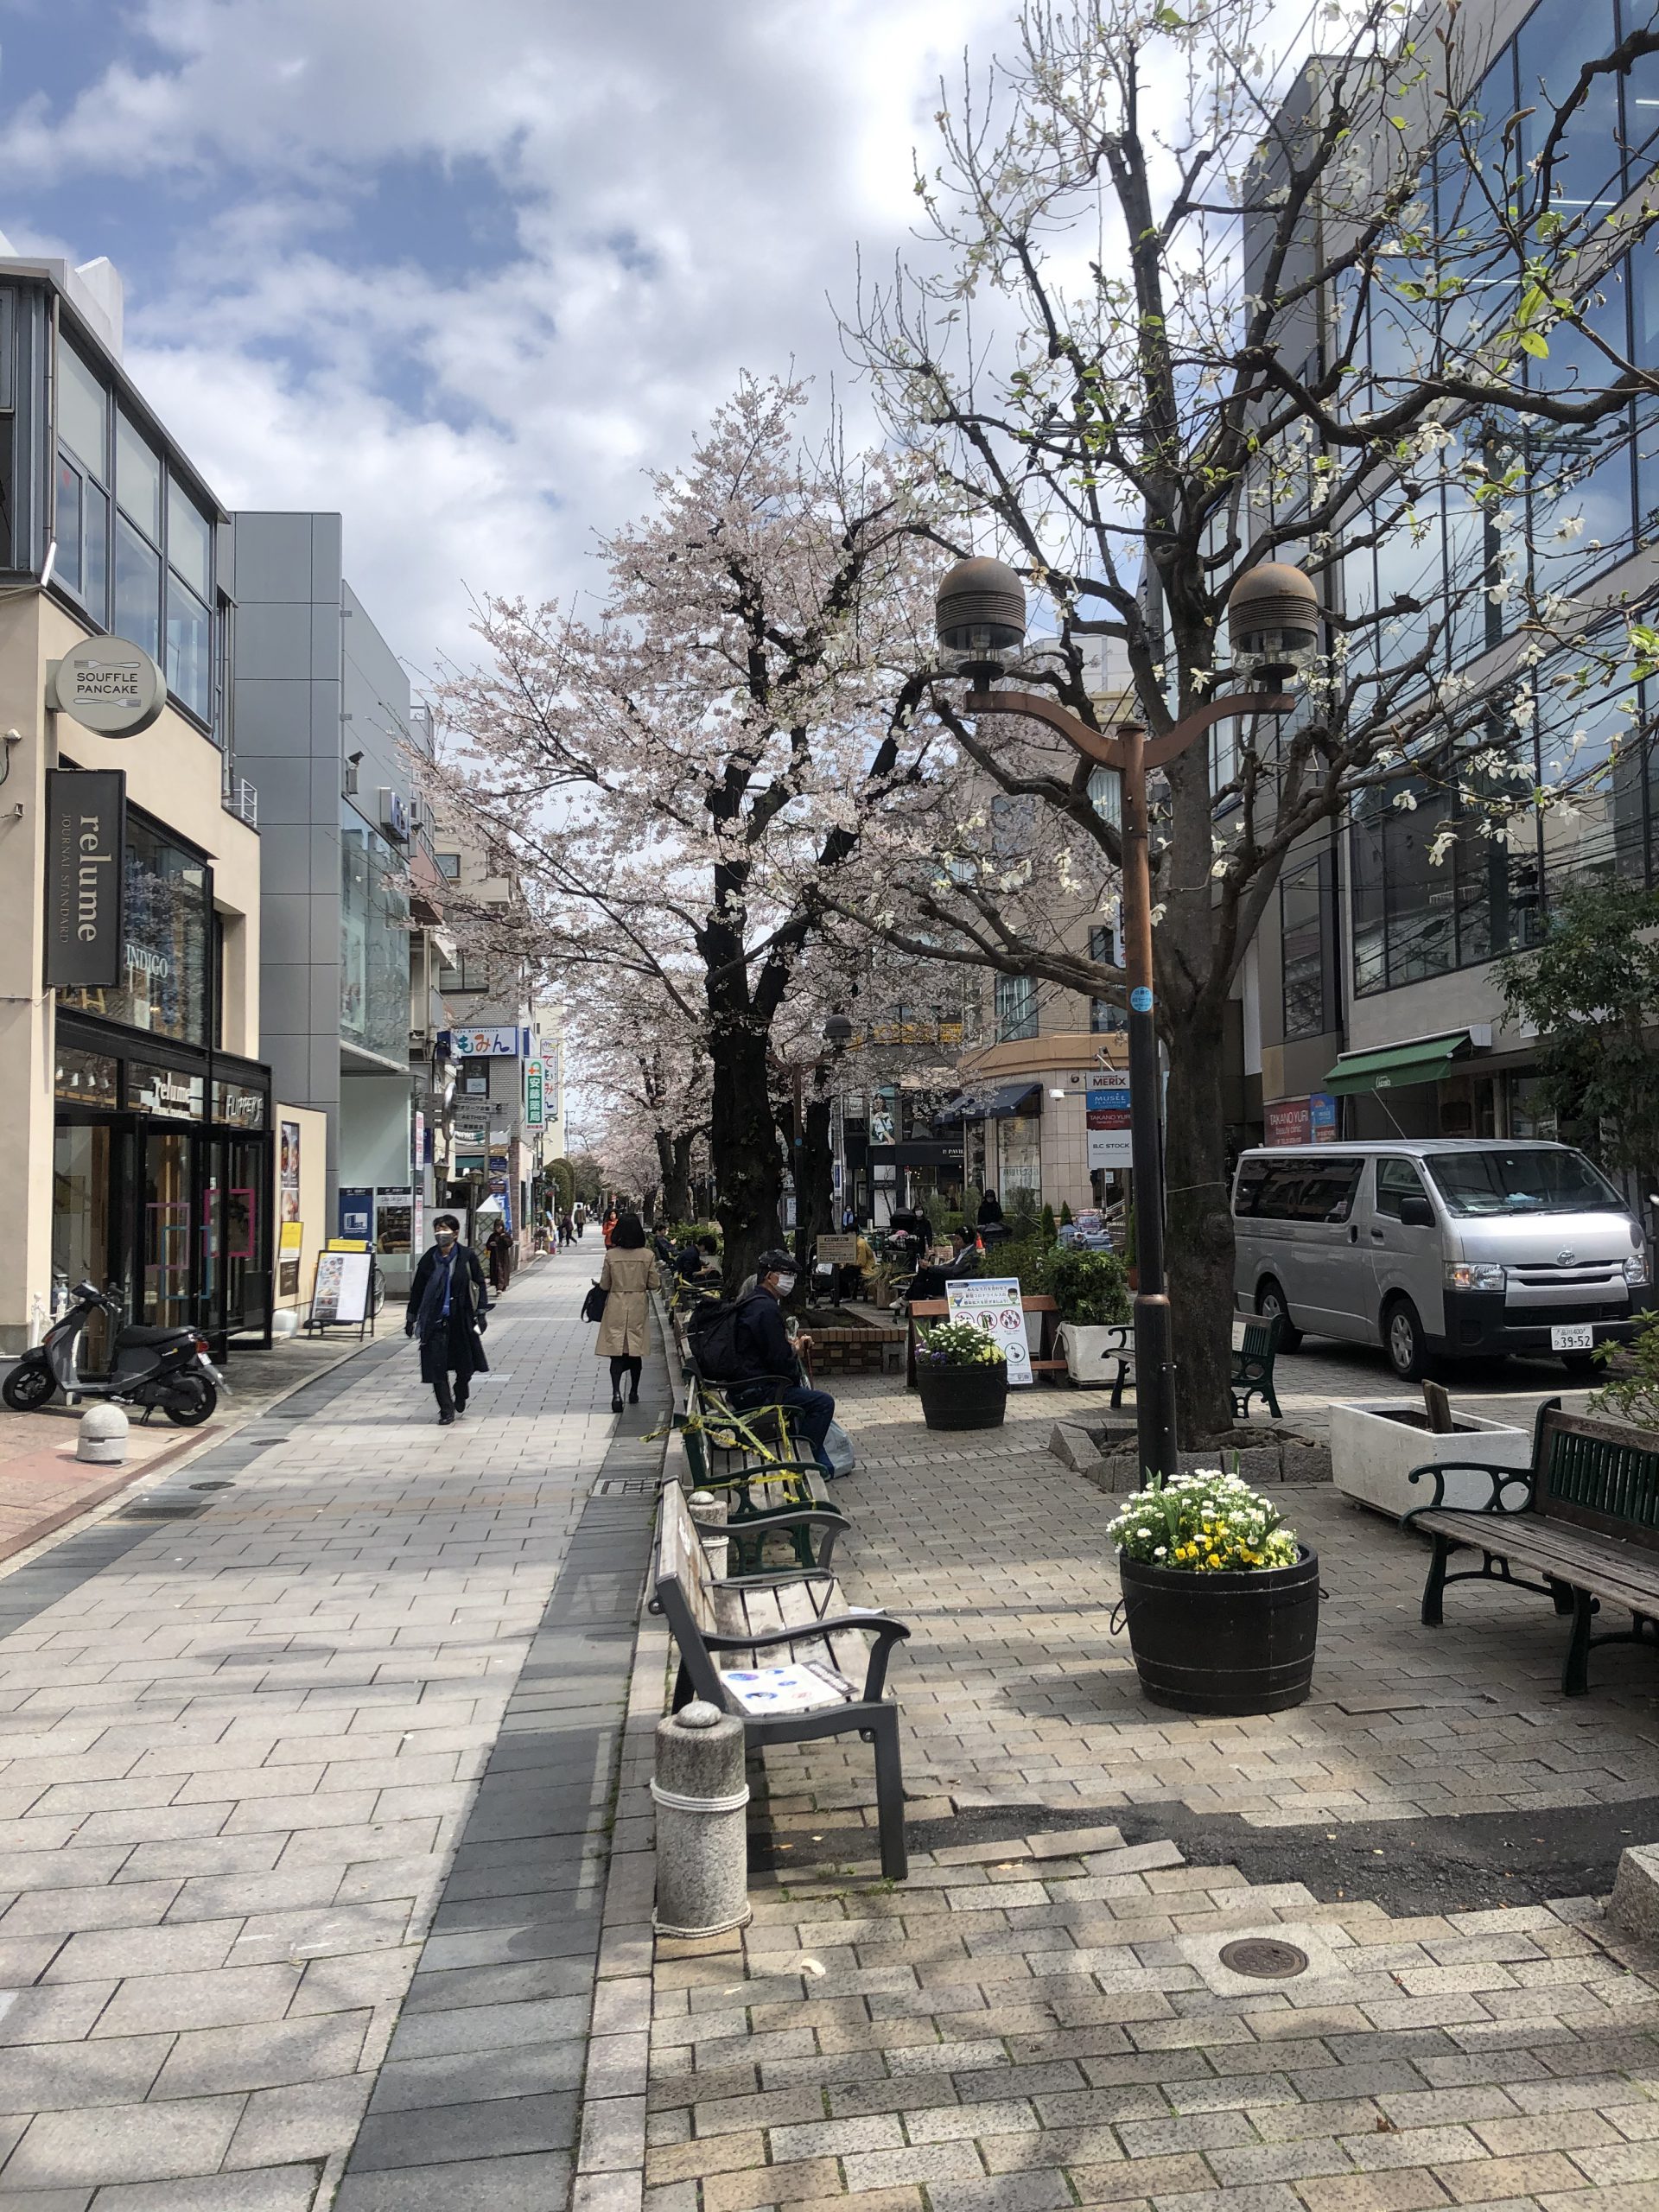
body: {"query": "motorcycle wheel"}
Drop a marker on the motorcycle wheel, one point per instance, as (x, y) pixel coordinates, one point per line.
(191, 1402)
(26, 1388)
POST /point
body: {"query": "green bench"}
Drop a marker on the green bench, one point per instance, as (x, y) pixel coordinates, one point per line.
(1583, 1518)
(769, 1493)
(1253, 1362)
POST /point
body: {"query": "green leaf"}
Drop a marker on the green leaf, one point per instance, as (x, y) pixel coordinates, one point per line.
(1532, 343)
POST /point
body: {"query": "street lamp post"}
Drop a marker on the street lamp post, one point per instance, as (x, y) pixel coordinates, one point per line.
(1272, 613)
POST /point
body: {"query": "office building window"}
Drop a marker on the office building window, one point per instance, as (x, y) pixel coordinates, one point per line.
(1016, 1007)
(448, 864)
(1309, 939)
(83, 525)
(166, 941)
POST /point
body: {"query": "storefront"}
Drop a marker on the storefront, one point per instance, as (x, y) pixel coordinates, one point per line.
(162, 1168)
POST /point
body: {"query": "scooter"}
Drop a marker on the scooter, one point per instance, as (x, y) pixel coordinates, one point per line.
(169, 1368)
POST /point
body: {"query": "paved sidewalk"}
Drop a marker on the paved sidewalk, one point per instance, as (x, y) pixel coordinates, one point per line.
(1039, 2019)
(240, 1749)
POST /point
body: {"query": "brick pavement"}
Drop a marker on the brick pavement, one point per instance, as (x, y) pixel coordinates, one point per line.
(235, 1753)
(1040, 2019)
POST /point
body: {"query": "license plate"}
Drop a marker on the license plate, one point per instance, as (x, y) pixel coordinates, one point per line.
(1572, 1336)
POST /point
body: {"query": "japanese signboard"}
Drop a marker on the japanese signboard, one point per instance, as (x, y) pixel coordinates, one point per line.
(507, 1043)
(1107, 1110)
(992, 1303)
(533, 1093)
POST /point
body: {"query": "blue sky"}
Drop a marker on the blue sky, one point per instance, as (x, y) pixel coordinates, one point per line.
(465, 273)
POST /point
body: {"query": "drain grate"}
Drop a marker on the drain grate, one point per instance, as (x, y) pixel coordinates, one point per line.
(167, 1509)
(224, 1485)
(1265, 1958)
(625, 1486)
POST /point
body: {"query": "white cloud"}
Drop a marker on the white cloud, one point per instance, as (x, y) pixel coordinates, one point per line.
(686, 179)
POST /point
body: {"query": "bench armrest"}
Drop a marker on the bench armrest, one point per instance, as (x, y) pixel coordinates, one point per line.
(885, 1630)
(1500, 1479)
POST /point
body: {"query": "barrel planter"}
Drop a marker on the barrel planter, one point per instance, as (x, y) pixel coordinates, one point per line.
(963, 1397)
(1234, 1642)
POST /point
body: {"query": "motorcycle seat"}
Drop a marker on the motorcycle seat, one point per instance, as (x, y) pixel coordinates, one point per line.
(152, 1337)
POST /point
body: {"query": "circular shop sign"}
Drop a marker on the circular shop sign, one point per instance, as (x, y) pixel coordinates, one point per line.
(110, 685)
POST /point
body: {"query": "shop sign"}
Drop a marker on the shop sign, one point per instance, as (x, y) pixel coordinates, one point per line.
(165, 1091)
(288, 1259)
(1287, 1120)
(85, 876)
(107, 684)
(1322, 1118)
(356, 1213)
(533, 1093)
(1110, 1138)
(504, 1043)
(994, 1303)
(341, 1292)
(394, 1218)
(233, 1103)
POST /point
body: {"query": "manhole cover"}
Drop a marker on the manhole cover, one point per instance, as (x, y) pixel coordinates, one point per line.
(1264, 1957)
(225, 1485)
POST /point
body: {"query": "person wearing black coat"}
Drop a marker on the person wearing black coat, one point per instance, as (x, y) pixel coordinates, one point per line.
(990, 1211)
(447, 1301)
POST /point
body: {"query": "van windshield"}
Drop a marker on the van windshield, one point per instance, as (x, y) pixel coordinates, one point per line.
(1521, 1182)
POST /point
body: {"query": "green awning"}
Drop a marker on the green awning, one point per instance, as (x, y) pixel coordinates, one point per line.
(1395, 1066)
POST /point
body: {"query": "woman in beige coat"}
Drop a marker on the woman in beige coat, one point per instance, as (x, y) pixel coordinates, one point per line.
(630, 1271)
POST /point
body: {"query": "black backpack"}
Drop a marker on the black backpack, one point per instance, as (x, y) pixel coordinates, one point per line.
(712, 1333)
(593, 1307)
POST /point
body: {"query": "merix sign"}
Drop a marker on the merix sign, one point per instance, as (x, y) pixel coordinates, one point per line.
(85, 875)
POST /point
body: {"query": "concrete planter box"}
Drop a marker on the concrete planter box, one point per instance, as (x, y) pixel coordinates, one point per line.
(1092, 1353)
(1374, 1448)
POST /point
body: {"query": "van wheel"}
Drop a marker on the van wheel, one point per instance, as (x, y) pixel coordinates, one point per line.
(1269, 1300)
(1403, 1341)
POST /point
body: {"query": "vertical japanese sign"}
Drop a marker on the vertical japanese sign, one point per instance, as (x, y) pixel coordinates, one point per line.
(994, 1303)
(533, 1115)
(85, 871)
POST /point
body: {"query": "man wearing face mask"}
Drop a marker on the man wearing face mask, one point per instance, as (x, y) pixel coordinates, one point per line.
(447, 1301)
(769, 1371)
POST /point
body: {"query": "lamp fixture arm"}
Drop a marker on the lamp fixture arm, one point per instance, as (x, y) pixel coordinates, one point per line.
(1157, 752)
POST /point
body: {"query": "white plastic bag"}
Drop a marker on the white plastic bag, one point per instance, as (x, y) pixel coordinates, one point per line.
(838, 1449)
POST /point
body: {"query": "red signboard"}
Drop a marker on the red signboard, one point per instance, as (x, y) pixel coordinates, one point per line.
(1288, 1121)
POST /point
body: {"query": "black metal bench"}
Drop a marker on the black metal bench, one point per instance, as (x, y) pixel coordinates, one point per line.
(1253, 1365)
(1584, 1517)
(764, 1494)
(798, 1619)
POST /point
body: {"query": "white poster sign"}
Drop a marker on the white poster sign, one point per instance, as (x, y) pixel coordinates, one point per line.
(992, 1303)
(1110, 1143)
(342, 1287)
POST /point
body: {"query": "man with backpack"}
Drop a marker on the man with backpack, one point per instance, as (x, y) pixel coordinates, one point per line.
(745, 1347)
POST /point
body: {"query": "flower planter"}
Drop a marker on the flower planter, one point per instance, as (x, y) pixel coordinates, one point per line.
(1224, 1643)
(1092, 1353)
(963, 1397)
(1374, 1447)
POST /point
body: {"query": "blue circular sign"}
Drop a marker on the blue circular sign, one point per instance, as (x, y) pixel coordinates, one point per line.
(1140, 1000)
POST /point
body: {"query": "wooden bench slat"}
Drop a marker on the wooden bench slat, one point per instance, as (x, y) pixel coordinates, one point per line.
(1599, 1564)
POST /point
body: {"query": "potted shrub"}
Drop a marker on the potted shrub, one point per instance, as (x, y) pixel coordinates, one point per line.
(1090, 1292)
(963, 1375)
(1221, 1600)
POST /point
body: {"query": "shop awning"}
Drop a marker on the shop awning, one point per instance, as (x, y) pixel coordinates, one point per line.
(1395, 1067)
(955, 1111)
(1012, 1098)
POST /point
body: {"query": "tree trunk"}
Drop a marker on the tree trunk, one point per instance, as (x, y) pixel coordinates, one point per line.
(743, 1147)
(1200, 1238)
(814, 1201)
(677, 1178)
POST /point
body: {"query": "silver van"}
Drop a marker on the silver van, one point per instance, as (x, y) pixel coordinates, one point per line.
(1438, 1247)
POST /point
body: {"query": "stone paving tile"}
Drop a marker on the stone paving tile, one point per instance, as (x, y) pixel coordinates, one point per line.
(1037, 2020)
(238, 1756)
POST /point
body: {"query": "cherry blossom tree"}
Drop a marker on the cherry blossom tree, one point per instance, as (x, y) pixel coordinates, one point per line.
(1180, 306)
(676, 775)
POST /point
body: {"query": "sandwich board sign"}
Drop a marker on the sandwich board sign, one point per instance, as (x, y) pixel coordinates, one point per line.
(992, 1303)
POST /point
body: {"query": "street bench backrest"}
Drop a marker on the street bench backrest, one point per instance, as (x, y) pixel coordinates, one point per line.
(1259, 1341)
(1597, 1474)
(681, 1563)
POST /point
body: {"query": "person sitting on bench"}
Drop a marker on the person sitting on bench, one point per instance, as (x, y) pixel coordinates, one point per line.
(765, 1353)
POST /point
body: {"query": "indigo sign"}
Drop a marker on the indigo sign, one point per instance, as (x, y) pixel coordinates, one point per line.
(86, 875)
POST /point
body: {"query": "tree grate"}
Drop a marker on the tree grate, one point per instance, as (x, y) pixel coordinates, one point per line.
(625, 1486)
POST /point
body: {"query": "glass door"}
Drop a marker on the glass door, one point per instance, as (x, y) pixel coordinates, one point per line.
(91, 1176)
(168, 1245)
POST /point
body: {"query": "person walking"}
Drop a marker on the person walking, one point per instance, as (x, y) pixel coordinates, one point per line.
(567, 1232)
(499, 1248)
(447, 1301)
(630, 1271)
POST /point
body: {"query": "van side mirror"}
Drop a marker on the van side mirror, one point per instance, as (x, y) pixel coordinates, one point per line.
(1416, 1213)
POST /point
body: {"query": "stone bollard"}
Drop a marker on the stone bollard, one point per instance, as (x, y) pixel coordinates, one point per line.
(103, 1436)
(702, 1854)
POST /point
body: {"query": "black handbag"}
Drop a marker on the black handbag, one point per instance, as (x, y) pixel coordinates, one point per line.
(593, 1307)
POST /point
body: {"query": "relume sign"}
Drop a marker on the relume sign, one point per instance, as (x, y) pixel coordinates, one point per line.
(86, 874)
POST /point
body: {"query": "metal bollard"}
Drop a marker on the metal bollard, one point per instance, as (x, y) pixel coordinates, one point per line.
(102, 1436)
(702, 1855)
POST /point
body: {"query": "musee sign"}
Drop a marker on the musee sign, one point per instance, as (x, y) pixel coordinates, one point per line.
(107, 684)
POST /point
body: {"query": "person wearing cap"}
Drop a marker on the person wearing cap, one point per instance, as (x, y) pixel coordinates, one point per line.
(769, 1370)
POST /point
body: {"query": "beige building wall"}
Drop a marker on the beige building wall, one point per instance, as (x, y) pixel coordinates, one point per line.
(173, 772)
